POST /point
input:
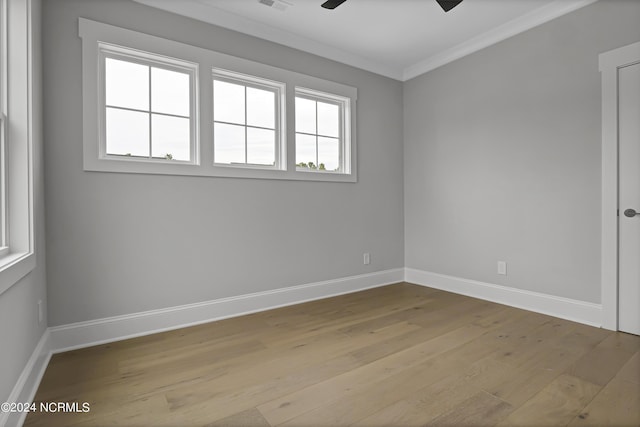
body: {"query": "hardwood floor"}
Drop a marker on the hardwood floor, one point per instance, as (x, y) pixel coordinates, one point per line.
(400, 355)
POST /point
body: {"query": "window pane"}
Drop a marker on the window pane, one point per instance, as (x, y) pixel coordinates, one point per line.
(305, 115)
(169, 92)
(170, 137)
(306, 151)
(228, 143)
(261, 146)
(328, 153)
(228, 102)
(328, 119)
(261, 108)
(127, 132)
(126, 84)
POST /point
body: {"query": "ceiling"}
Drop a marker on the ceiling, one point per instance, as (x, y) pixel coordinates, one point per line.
(400, 39)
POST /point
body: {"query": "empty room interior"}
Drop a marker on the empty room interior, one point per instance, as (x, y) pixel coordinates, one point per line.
(320, 213)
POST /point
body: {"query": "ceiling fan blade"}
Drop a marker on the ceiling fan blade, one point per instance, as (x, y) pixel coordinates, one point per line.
(447, 5)
(332, 4)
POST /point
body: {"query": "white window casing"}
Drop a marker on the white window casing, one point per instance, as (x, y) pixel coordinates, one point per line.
(208, 65)
(17, 258)
(279, 90)
(107, 51)
(343, 136)
(4, 248)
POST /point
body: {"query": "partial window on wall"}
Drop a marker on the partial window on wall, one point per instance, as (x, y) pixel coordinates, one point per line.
(17, 257)
(322, 142)
(149, 108)
(247, 116)
(4, 247)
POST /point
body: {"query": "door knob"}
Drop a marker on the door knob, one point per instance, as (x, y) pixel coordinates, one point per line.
(631, 213)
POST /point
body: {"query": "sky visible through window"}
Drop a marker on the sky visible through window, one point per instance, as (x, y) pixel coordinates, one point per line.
(244, 128)
(148, 115)
(147, 111)
(317, 135)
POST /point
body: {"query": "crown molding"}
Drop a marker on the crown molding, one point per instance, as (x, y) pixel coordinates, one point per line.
(498, 34)
(202, 11)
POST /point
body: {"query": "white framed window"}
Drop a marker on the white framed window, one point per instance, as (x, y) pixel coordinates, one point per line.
(17, 256)
(248, 121)
(148, 106)
(4, 244)
(4, 247)
(242, 114)
(322, 132)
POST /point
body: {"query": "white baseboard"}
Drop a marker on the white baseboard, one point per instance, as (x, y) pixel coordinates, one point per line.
(100, 331)
(29, 380)
(564, 308)
(84, 334)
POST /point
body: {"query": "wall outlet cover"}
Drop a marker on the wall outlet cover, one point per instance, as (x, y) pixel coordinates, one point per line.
(502, 268)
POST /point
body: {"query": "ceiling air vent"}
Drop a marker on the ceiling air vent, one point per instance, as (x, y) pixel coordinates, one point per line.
(275, 4)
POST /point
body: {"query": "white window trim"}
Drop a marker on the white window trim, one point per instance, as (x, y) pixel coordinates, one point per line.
(121, 53)
(344, 103)
(20, 259)
(280, 131)
(4, 249)
(93, 32)
(4, 226)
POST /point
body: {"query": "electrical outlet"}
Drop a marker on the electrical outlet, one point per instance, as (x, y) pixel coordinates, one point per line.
(502, 268)
(40, 314)
(367, 259)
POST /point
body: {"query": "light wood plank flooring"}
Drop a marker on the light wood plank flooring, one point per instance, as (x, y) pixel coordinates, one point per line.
(400, 355)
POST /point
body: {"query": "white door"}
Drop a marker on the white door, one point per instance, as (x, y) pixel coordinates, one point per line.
(629, 199)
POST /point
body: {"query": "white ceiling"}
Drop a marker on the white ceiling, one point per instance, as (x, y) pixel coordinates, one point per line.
(400, 39)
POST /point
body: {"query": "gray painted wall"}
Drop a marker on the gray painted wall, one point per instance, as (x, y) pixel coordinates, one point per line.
(125, 243)
(502, 157)
(19, 328)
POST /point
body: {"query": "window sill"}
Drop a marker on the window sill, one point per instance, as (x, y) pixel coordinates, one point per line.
(165, 168)
(14, 267)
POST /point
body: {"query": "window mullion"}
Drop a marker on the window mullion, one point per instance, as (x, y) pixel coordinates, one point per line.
(317, 162)
(4, 229)
(150, 119)
(246, 131)
(136, 110)
(341, 145)
(277, 154)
